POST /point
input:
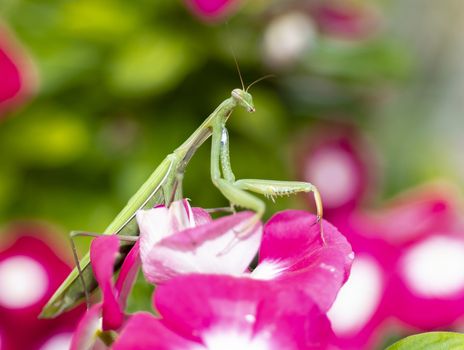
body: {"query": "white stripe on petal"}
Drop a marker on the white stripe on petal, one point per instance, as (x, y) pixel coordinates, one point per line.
(268, 270)
(153, 226)
(180, 216)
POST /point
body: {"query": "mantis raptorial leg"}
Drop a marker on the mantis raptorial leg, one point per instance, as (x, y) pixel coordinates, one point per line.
(164, 185)
(234, 190)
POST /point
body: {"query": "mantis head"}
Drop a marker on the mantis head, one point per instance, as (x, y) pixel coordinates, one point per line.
(243, 99)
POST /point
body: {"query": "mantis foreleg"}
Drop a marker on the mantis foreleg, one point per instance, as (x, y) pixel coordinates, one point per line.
(225, 182)
(235, 191)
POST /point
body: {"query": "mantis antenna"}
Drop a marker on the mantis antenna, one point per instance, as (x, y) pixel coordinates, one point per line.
(260, 79)
(238, 70)
(235, 57)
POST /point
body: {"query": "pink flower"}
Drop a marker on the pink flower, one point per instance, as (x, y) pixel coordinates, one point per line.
(206, 296)
(180, 240)
(334, 158)
(108, 314)
(223, 312)
(212, 10)
(293, 251)
(17, 72)
(407, 269)
(295, 254)
(347, 19)
(30, 271)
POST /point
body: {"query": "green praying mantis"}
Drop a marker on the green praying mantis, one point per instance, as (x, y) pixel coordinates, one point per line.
(164, 186)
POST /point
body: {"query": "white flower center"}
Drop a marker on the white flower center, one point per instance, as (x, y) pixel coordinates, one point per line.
(226, 339)
(359, 297)
(333, 171)
(435, 267)
(23, 282)
(60, 341)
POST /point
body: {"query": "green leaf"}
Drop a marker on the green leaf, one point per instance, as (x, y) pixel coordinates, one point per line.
(431, 341)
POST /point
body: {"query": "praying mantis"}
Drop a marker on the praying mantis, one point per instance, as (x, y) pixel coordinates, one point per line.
(164, 186)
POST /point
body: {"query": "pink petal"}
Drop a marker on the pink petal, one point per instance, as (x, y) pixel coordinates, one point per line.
(209, 248)
(336, 158)
(223, 311)
(86, 332)
(160, 222)
(212, 10)
(103, 254)
(145, 332)
(293, 234)
(429, 277)
(21, 303)
(11, 83)
(349, 21)
(293, 253)
(17, 72)
(419, 212)
(201, 216)
(192, 304)
(128, 274)
(294, 321)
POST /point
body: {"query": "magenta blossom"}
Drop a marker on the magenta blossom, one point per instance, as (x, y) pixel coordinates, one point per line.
(30, 271)
(222, 312)
(212, 10)
(334, 158)
(109, 314)
(18, 78)
(203, 305)
(347, 19)
(408, 259)
(294, 252)
(180, 240)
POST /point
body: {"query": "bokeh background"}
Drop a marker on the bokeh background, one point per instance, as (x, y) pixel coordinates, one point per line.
(366, 103)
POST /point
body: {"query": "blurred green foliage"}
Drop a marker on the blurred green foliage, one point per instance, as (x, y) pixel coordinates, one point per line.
(122, 84)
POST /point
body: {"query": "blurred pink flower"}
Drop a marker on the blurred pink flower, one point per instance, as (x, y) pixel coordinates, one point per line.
(407, 270)
(212, 10)
(18, 76)
(219, 312)
(181, 239)
(340, 162)
(346, 19)
(30, 271)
